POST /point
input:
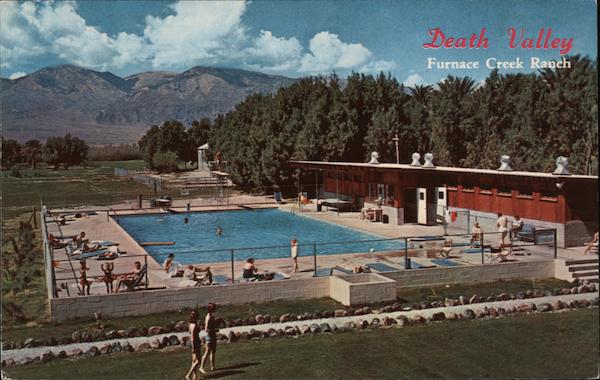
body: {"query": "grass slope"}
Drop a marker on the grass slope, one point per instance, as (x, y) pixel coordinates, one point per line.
(563, 345)
(408, 296)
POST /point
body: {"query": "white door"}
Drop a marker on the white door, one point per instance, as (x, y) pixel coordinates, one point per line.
(442, 202)
(421, 205)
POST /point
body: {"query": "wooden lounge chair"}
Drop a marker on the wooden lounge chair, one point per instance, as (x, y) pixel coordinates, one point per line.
(138, 281)
(500, 255)
(445, 250)
(203, 279)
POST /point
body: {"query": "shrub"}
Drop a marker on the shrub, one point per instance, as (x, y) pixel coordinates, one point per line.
(165, 161)
(123, 152)
(15, 172)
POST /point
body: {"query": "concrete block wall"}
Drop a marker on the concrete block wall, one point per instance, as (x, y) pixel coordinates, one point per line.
(473, 273)
(362, 289)
(155, 301)
(358, 289)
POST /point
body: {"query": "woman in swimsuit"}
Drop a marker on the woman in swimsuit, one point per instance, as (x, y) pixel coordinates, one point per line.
(210, 326)
(108, 277)
(83, 281)
(196, 350)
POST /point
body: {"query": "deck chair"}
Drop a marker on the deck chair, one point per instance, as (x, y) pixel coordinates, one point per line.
(445, 250)
(277, 196)
(500, 255)
(205, 278)
(138, 281)
(527, 233)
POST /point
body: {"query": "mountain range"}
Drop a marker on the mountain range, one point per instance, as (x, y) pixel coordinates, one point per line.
(103, 108)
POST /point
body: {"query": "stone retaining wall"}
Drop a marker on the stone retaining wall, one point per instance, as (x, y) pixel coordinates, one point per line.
(155, 301)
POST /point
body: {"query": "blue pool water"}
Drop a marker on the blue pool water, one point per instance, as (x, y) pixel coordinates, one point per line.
(196, 241)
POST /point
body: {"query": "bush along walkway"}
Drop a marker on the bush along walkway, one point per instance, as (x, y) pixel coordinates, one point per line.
(293, 328)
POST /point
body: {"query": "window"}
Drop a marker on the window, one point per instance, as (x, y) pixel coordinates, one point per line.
(441, 195)
(548, 195)
(505, 191)
(422, 196)
(525, 192)
(485, 189)
(468, 188)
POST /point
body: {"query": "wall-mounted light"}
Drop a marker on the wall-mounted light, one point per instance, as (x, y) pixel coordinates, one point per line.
(559, 185)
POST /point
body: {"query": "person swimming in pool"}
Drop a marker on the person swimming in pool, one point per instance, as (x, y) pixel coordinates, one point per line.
(219, 231)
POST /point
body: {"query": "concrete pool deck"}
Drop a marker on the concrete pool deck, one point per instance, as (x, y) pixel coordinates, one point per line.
(99, 227)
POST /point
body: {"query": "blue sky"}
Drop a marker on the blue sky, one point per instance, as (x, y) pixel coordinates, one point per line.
(292, 38)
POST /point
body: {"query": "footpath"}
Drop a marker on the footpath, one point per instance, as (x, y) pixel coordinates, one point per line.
(555, 304)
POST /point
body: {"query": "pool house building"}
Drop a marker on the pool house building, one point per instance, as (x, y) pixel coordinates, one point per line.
(429, 195)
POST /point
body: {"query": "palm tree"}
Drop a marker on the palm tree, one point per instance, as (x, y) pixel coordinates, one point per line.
(459, 86)
(421, 93)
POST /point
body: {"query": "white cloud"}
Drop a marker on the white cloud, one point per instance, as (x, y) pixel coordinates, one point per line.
(30, 30)
(413, 80)
(272, 53)
(378, 66)
(197, 33)
(18, 41)
(328, 52)
(17, 75)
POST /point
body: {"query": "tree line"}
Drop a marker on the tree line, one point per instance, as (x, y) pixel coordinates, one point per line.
(66, 151)
(531, 117)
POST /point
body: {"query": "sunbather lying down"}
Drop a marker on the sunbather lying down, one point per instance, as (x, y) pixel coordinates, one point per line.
(351, 268)
(112, 252)
(56, 242)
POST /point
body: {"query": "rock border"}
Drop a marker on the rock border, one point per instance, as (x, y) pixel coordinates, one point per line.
(80, 336)
(294, 330)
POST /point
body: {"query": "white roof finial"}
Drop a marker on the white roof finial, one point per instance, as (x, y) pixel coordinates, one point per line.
(561, 166)
(416, 157)
(428, 160)
(505, 164)
(374, 158)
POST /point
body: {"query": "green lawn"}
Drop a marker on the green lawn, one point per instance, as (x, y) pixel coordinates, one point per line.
(93, 185)
(561, 345)
(434, 293)
(409, 296)
(22, 332)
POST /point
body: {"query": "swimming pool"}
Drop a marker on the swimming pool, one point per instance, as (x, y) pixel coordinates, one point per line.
(197, 242)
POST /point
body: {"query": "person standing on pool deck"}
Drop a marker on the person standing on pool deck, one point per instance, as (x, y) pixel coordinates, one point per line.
(210, 346)
(294, 249)
(502, 224)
